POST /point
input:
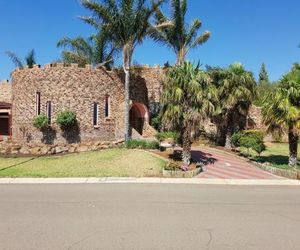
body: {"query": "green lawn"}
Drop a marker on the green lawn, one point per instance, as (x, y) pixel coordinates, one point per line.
(107, 163)
(276, 154)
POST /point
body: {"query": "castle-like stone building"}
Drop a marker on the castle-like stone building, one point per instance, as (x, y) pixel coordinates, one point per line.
(96, 95)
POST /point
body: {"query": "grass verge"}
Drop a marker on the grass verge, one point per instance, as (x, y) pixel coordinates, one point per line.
(106, 163)
(276, 154)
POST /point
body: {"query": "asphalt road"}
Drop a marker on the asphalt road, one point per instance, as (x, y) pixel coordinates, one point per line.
(139, 216)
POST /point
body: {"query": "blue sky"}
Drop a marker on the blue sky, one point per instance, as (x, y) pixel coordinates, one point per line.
(248, 31)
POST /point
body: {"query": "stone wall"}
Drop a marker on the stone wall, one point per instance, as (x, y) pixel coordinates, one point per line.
(5, 92)
(76, 89)
(68, 88)
(146, 86)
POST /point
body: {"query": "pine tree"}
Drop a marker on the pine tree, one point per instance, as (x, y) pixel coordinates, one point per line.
(263, 75)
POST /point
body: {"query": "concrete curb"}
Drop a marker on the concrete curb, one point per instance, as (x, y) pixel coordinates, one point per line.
(113, 180)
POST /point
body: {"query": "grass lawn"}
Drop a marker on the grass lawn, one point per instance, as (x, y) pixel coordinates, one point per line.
(106, 163)
(276, 154)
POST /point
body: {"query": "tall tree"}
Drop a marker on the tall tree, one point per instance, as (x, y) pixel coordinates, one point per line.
(282, 110)
(188, 98)
(263, 87)
(96, 50)
(236, 92)
(263, 75)
(29, 60)
(180, 36)
(128, 23)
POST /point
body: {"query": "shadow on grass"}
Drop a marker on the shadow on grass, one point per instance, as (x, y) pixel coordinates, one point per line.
(273, 159)
(19, 164)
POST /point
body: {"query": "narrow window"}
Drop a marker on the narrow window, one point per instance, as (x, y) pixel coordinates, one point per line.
(38, 103)
(107, 106)
(49, 111)
(95, 114)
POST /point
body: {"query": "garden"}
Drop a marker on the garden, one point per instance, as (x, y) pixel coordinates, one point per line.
(192, 95)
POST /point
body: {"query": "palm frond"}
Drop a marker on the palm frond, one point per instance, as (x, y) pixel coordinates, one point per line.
(15, 59)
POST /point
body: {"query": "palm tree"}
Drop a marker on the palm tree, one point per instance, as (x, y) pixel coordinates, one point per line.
(128, 23)
(180, 36)
(237, 89)
(187, 98)
(282, 110)
(96, 50)
(29, 59)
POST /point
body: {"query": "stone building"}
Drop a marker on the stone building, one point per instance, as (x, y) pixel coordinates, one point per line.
(5, 109)
(94, 94)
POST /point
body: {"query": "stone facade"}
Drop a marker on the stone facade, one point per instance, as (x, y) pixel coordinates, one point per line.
(77, 89)
(5, 92)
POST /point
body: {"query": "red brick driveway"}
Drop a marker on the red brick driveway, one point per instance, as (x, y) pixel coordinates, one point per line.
(223, 165)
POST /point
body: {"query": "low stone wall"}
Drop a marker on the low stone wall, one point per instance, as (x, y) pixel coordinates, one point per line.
(15, 149)
(290, 174)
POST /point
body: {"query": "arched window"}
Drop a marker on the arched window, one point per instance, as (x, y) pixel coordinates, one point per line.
(107, 106)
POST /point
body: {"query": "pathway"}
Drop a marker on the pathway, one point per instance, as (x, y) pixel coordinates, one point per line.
(223, 165)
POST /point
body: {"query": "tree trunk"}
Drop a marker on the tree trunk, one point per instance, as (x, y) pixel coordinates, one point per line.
(126, 68)
(228, 140)
(186, 147)
(293, 147)
(229, 129)
(181, 55)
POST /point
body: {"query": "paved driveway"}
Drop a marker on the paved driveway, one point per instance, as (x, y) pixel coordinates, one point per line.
(223, 165)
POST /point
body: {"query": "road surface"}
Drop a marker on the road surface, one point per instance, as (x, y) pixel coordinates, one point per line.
(149, 216)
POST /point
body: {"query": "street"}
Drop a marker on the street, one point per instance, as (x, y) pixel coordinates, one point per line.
(149, 216)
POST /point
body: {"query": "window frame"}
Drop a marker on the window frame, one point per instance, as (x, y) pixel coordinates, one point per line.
(37, 102)
(95, 114)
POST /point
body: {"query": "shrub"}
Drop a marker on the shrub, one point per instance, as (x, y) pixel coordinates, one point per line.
(66, 119)
(40, 122)
(156, 122)
(167, 135)
(250, 139)
(142, 144)
(236, 137)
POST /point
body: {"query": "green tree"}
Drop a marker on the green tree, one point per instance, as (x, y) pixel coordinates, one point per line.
(264, 86)
(180, 37)
(96, 50)
(282, 110)
(127, 22)
(263, 75)
(188, 98)
(29, 60)
(236, 93)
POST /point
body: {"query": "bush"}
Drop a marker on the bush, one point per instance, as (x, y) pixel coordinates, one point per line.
(156, 122)
(236, 137)
(167, 135)
(41, 122)
(66, 119)
(142, 144)
(250, 139)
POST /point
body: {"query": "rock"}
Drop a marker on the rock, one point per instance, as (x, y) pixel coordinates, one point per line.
(35, 150)
(45, 150)
(24, 150)
(58, 150)
(72, 149)
(83, 148)
(16, 147)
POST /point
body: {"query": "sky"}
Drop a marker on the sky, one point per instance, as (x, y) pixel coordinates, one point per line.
(246, 31)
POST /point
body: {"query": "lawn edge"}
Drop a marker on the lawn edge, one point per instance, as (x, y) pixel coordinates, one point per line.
(121, 180)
